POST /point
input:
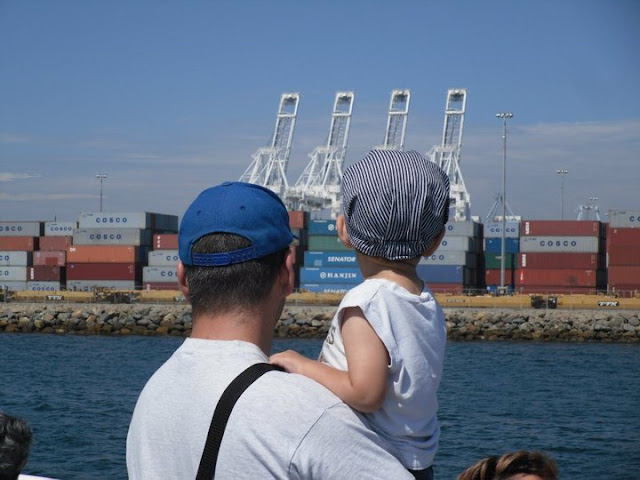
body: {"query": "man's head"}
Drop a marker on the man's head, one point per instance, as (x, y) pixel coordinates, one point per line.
(395, 204)
(233, 241)
(15, 442)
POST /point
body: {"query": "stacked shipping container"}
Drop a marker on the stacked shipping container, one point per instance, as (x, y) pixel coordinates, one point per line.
(561, 257)
(493, 254)
(18, 240)
(161, 271)
(623, 251)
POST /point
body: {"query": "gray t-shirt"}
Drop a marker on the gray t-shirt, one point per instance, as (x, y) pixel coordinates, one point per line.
(283, 426)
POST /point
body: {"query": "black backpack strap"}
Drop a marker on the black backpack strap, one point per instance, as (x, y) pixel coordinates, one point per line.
(207, 467)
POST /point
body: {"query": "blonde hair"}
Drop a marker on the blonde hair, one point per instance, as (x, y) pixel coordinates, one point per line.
(513, 463)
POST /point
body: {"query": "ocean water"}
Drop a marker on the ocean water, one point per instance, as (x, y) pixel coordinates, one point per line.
(577, 403)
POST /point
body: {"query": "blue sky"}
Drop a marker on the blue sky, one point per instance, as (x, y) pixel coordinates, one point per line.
(170, 97)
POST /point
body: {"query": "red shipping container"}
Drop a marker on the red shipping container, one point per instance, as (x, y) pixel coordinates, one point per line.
(55, 243)
(165, 241)
(627, 275)
(23, 244)
(49, 258)
(560, 228)
(492, 276)
(160, 286)
(548, 277)
(623, 236)
(103, 271)
(102, 254)
(454, 288)
(45, 273)
(297, 219)
(557, 260)
(526, 289)
(622, 255)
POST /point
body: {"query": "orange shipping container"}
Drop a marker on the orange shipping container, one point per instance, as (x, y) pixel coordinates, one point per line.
(623, 236)
(627, 275)
(56, 243)
(102, 254)
(49, 258)
(166, 241)
(24, 244)
(297, 219)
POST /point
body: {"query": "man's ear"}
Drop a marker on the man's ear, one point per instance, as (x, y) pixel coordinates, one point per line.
(343, 234)
(182, 281)
(288, 273)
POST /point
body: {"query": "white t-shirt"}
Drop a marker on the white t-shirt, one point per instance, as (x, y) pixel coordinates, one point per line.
(412, 328)
(283, 425)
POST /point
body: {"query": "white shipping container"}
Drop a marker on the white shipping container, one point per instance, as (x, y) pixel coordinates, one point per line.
(21, 229)
(159, 274)
(16, 258)
(44, 286)
(494, 229)
(59, 229)
(624, 218)
(13, 274)
(450, 257)
(163, 258)
(465, 244)
(462, 229)
(576, 244)
(87, 285)
(13, 286)
(141, 220)
(113, 236)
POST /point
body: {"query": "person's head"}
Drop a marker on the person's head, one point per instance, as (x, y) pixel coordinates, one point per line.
(15, 442)
(233, 244)
(520, 465)
(395, 204)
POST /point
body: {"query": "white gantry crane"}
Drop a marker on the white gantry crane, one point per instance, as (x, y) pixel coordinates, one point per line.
(397, 120)
(320, 184)
(269, 165)
(447, 155)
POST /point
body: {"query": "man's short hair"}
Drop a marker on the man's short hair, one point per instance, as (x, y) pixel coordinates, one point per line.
(236, 286)
(15, 442)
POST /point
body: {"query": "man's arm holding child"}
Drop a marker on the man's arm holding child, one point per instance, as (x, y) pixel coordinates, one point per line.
(363, 385)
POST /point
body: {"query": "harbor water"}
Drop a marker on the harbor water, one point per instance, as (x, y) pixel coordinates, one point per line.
(579, 403)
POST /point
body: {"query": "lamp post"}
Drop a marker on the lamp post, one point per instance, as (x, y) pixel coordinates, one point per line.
(562, 173)
(101, 176)
(504, 116)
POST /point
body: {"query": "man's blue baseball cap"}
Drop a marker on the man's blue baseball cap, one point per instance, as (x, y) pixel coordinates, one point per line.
(251, 211)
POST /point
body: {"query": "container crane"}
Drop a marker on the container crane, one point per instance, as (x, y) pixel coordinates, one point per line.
(397, 120)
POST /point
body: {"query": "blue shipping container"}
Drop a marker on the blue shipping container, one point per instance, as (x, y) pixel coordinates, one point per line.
(330, 259)
(494, 245)
(322, 227)
(325, 287)
(330, 275)
(443, 273)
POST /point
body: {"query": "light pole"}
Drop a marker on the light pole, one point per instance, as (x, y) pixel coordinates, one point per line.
(101, 176)
(504, 116)
(562, 173)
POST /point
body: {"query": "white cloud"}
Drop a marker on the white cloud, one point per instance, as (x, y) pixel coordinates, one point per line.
(9, 137)
(9, 177)
(38, 197)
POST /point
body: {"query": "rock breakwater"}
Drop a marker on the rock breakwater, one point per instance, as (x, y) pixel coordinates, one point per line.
(314, 321)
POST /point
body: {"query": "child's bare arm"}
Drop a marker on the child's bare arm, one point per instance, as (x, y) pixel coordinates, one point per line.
(363, 386)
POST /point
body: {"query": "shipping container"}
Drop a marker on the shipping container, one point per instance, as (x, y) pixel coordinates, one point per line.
(59, 229)
(557, 290)
(494, 289)
(321, 243)
(45, 286)
(103, 254)
(494, 245)
(163, 258)
(561, 228)
(13, 274)
(45, 273)
(161, 286)
(89, 285)
(623, 236)
(13, 286)
(573, 261)
(15, 258)
(298, 219)
(444, 274)
(493, 276)
(55, 244)
(26, 244)
(322, 227)
(330, 259)
(330, 275)
(494, 229)
(165, 241)
(494, 260)
(465, 244)
(621, 255)
(450, 257)
(624, 219)
(627, 275)
(559, 277)
(113, 236)
(159, 274)
(103, 271)
(561, 244)
(443, 288)
(325, 287)
(463, 229)
(50, 258)
(21, 229)
(141, 220)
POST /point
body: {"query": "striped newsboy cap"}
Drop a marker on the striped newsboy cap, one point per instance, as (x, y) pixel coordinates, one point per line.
(395, 203)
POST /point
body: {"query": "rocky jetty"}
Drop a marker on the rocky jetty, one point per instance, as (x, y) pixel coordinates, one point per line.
(313, 322)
